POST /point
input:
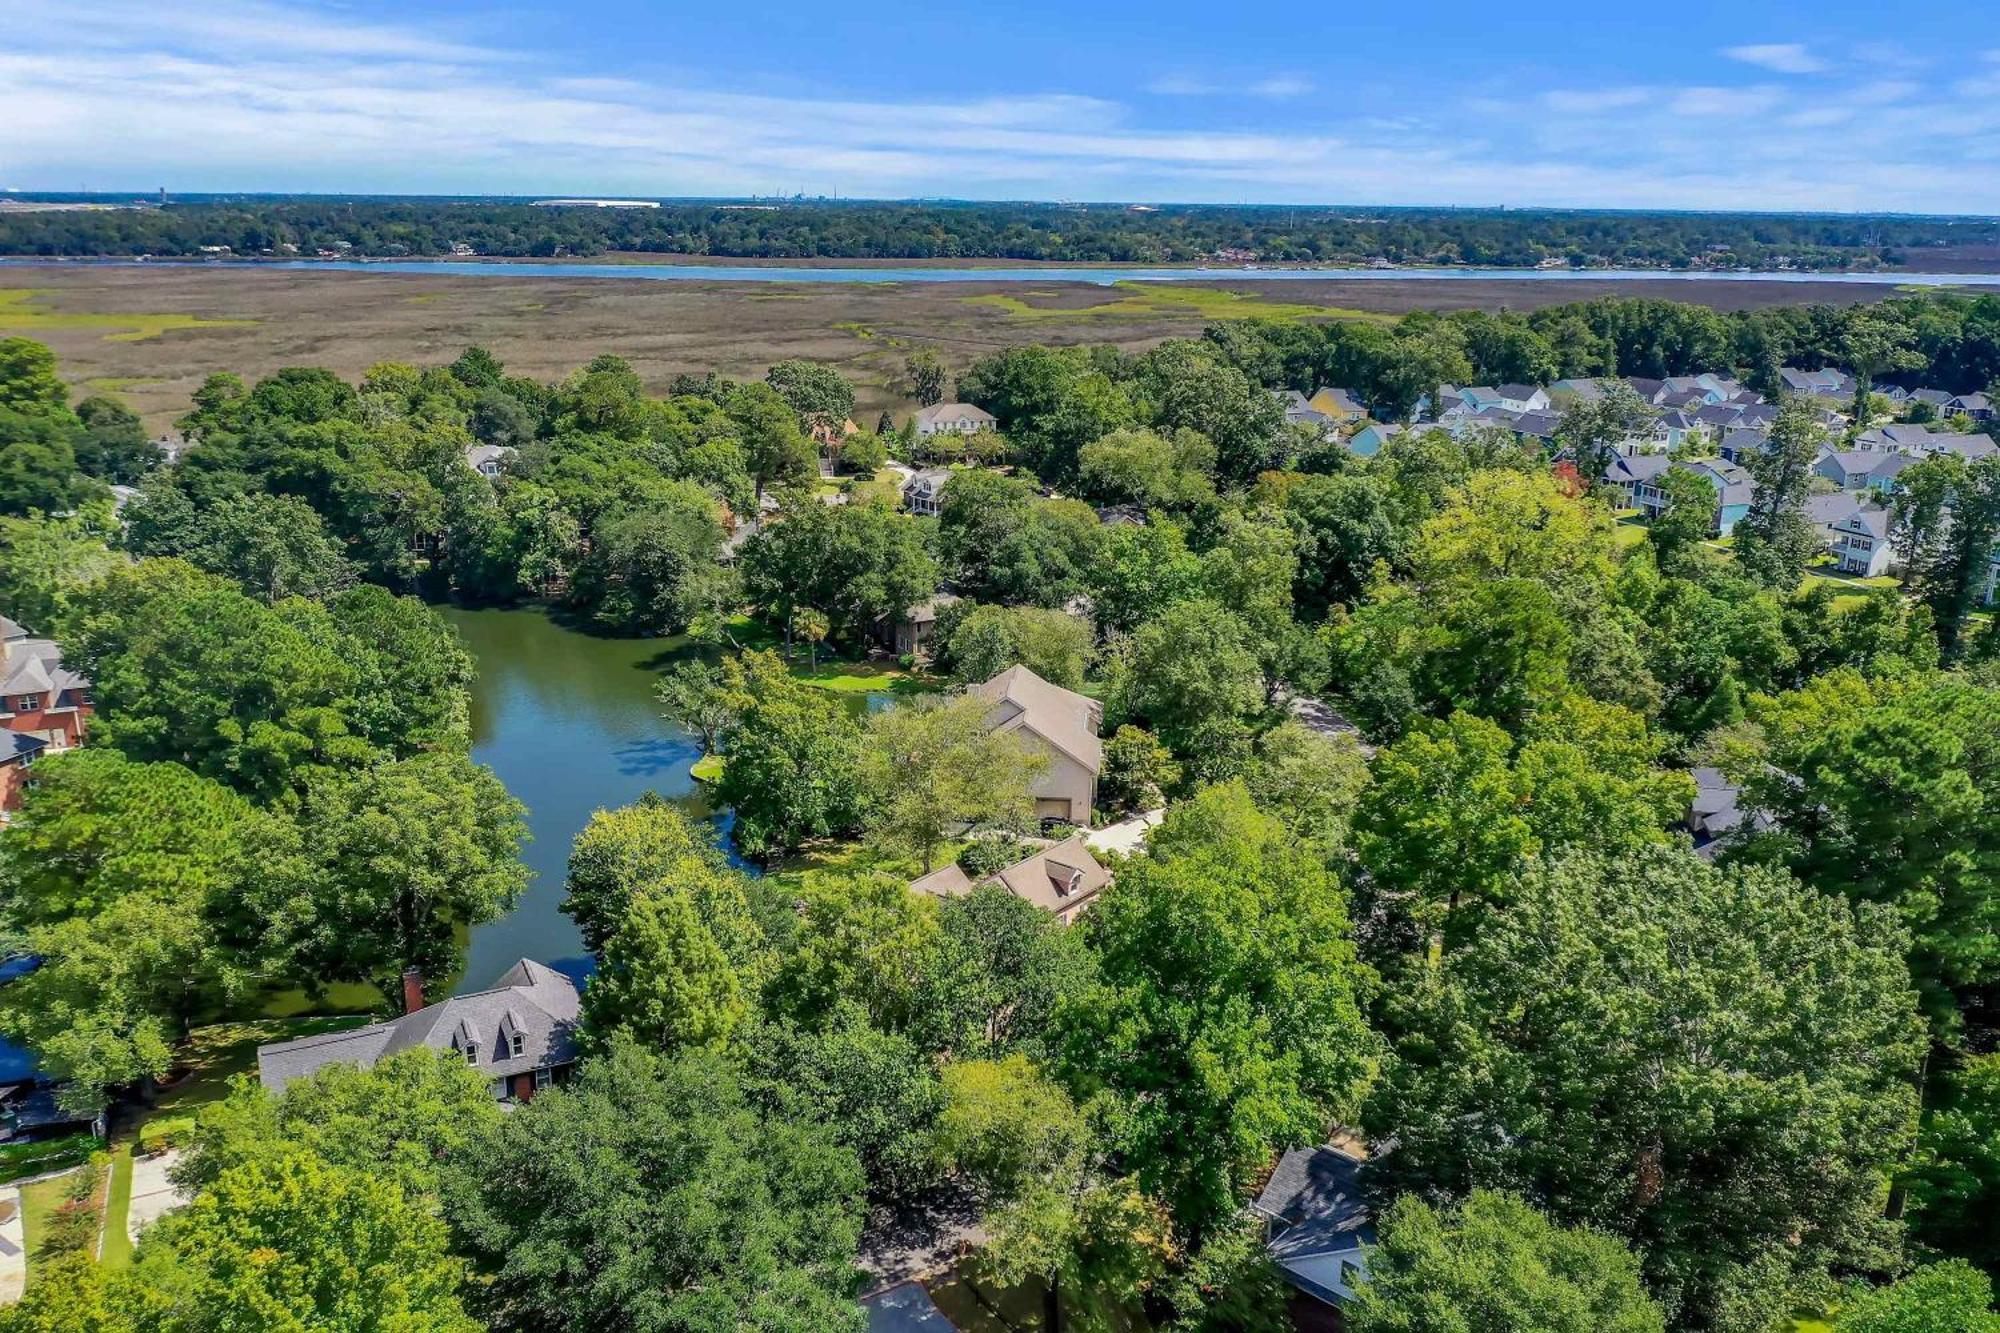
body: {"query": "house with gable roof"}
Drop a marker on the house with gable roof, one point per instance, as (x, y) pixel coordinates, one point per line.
(1061, 722)
(520, 1033)
(1062, 879)
(954, 419)
(1318, 1224)
(44, 706)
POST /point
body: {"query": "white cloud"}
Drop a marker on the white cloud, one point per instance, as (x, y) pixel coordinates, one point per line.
(1589, 101)
(1723, 101)
(246, 95)
(1282, 85)
(1276, 86)
(1781, 57)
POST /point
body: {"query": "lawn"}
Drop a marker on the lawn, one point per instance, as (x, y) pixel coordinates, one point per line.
(708, 768)
(39, 1202)
(117, 1242)
(748, 634)
(215, 1054)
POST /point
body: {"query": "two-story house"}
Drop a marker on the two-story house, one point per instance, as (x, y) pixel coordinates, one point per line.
(1064, 724)
(954, 419)
(44, 706)
(923, 493)
(1733, 491)
(520, 1034)
(1860, 542)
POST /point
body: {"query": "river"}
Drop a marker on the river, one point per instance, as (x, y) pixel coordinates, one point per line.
(1096, 276)
(568, 722)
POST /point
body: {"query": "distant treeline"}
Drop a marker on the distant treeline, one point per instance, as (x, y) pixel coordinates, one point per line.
(1106, 233)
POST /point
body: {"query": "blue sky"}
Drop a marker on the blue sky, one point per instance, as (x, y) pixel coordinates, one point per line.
(1749, 105)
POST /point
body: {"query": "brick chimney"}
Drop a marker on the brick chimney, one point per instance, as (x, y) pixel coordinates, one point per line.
(413, 990)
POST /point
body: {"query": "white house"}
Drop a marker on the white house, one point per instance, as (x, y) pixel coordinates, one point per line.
(954, 419)
(923, 493)
(1860, 542)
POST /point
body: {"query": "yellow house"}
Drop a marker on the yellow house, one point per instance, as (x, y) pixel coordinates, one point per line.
(1338, 404)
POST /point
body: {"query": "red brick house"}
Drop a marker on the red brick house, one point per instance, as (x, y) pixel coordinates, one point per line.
(43, 706)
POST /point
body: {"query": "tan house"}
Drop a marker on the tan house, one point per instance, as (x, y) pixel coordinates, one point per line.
(1065, 724)
(1063, 879)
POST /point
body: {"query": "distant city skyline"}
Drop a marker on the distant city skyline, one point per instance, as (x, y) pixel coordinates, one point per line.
(1744, 107)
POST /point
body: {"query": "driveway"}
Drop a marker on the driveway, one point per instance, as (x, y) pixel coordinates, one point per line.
(152, 1193)
(13, 1248)
(1127, 836)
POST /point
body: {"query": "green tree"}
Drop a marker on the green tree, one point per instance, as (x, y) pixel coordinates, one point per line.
(1951, 1297)
(984, 641)
(1053, 1210)
(1441, 831)
(113, 445)
(648, 1194)
(1955, 1184)
(1878, 791)
(1717, 1066)
(96, 827)
(874, 1092)
(1226, 1019)
(624, 852)
(664, 982)
(993, 971)
(924, 371)
(1193, 680)
(1775, 541)
(295, 1242)
(776, 451)
(1689, 519)
(274, 546)
(692, 695)
(793, 752)
(1946, 523)
(1345, 526)
(29, 383)
(652, 568)
(43, 562)
(820, 394)
(1309, 781)
(386, 866)
(401, 1120)
(929, 765)
(1138, 771)
(1592, 428)
(856, 564)
(1495, 1262)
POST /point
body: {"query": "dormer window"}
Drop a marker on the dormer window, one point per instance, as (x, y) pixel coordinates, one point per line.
(515, 1042)
(471, 1053)
(28, 703)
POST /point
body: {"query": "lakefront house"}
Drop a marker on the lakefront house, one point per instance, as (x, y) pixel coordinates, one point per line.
(520, 1033)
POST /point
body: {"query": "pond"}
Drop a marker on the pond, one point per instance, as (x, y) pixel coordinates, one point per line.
(568, 722)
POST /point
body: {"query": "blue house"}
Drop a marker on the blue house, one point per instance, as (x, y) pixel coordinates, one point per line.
(1368, 441)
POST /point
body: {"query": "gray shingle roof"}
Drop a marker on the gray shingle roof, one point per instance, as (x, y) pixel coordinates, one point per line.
(905, 1308)
(536, 1001)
